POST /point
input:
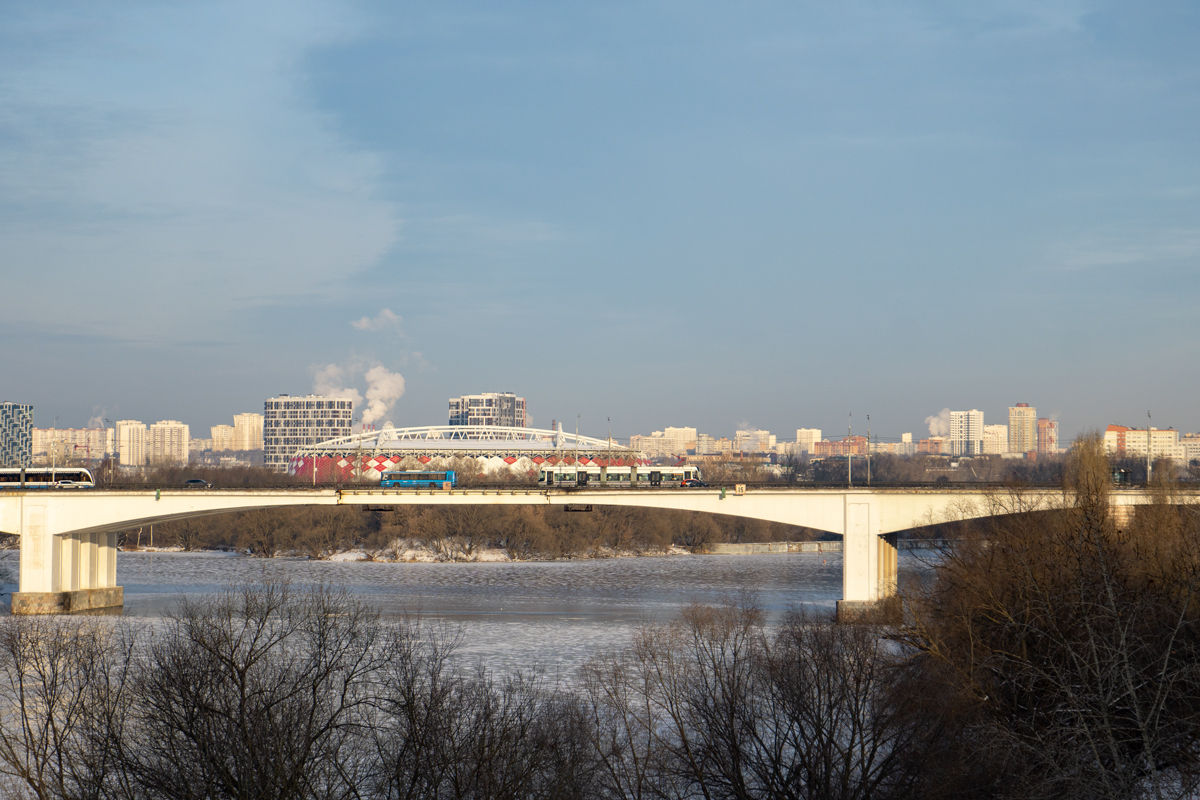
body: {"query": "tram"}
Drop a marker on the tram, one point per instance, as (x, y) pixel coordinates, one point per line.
(43, 478)
(561, 475)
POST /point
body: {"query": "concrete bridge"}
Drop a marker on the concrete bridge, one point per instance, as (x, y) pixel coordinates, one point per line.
(69, 537)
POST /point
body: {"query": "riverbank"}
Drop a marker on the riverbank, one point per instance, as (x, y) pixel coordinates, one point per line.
(418, 552)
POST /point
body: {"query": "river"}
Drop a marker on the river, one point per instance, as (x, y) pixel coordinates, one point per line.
(514, 614)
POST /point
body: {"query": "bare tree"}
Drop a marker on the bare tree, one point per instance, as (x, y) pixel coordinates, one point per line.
(265, 532)
(1077, 639)
(62, 689)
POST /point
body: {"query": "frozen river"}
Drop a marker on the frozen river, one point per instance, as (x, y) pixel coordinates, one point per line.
(513, 614)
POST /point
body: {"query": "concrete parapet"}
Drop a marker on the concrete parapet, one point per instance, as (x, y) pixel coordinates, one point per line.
(73, 602)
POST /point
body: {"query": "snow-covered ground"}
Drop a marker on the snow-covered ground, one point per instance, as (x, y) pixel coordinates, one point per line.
(407, 551)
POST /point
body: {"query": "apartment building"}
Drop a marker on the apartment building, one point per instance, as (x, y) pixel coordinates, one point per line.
(290, 423)
(1022, 428)
(966, 432)
(248, 431)
(16, 434)
(491, 408)
(167, 443)
(131, 443)
(1141, 442)
(222, 438)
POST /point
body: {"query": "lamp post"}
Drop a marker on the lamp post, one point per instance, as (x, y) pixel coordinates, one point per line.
(358, 460)
(1149, 447)
(849, 452)
(608, 465)
(112, 458)
(54, 448)
(868, 450)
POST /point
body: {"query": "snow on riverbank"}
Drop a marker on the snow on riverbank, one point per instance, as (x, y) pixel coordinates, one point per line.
(417, 552)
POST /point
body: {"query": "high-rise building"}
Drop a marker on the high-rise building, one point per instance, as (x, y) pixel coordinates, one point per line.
(1022, 428)
(167, 443)
(491, 408)
(247, 431)
(710, 446)
(222, 438)
(60, 445)
(290, 423)
(847, 446)
(16, 434)
(1191, 447)
(966, 432)
(1047, 436)
(1140, 442)
(753, 441)
(131, 443)
(995, 440)
(807, 438)
(684, 438)
(656, 445)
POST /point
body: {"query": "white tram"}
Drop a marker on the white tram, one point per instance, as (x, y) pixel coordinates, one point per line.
(46, 478)
(563, 475)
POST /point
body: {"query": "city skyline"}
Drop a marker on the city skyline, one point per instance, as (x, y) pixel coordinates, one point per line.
(937, 426)
(667, 215)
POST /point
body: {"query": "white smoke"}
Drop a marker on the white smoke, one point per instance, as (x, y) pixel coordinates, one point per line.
(939, 424)
(333, 380)
(384, 387)
(97, 421)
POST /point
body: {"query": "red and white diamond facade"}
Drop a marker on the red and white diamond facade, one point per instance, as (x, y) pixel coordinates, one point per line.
(493, 449)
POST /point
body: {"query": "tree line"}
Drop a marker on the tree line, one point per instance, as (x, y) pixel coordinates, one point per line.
(461, 532)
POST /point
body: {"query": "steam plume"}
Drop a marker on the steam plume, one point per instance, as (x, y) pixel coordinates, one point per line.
(939, 424)
(384, 387)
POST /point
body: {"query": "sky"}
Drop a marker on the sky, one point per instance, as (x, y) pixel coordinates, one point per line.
(766, 214)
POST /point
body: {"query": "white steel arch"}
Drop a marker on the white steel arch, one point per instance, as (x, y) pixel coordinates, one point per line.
(432, 435)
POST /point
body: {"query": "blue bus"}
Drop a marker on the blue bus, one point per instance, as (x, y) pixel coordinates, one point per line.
(416, 479)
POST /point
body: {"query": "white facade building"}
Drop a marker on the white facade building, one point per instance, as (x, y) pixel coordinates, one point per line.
(685, 438)
(755, 441)
(222, 438)
(995, 440)
(1022, 428)
(807, 439)
(167, 443)
(1191, 447)
(966, 432)
(131, 443)
(711, 446)
(1140, 442)
(247, 431)
(290, 423)
(63, 444)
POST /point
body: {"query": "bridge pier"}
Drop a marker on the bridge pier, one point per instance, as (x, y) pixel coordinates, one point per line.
(64, 574)
(869, 559)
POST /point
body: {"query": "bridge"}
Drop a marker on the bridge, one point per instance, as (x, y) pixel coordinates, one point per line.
(69, 537)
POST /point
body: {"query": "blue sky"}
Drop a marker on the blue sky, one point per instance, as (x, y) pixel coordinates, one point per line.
(666, 213)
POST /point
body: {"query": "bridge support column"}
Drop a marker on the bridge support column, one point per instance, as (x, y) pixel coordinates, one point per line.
(64, 574)
(868, 560)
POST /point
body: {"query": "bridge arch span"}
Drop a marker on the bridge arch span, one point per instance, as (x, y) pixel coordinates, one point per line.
(69, 552)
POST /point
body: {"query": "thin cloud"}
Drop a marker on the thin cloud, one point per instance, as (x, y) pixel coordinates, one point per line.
(385, 320)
